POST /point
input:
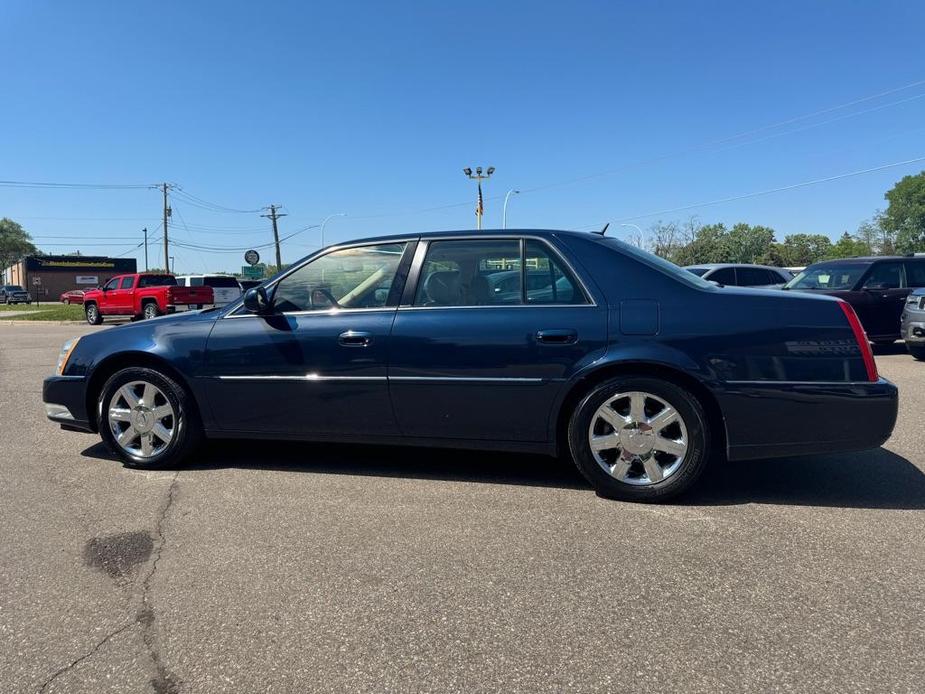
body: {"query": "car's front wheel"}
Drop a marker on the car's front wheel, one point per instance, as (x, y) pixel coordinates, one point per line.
(917, 351)
(638, 438)
(92, 312)
(147, 419)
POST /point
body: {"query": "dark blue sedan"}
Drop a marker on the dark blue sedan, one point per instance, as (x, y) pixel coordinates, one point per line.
(550, 342)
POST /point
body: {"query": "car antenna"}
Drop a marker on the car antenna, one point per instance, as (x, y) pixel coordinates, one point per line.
(602, 231)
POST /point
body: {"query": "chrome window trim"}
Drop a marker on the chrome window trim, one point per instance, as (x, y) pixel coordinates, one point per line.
(319, 312)
(425, 243)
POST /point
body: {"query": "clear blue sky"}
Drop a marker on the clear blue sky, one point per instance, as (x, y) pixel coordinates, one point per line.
(374, 108)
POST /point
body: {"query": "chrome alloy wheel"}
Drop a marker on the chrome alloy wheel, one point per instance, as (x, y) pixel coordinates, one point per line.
(141, 419)
(638, 438)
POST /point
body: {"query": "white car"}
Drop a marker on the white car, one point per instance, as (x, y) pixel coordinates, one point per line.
(225, 288)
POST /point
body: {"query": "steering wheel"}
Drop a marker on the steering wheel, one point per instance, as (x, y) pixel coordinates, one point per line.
(321, 297)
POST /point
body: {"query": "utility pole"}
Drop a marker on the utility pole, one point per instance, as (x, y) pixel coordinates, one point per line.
(165, 187)
(479, 206)
(273, 216)
(145, 230)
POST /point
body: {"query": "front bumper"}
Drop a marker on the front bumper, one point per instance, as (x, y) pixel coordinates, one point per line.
(65, 399)
(913, 328)
(777, 419)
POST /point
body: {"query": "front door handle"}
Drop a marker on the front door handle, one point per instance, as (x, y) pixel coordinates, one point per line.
(353, 338)
(557, 337)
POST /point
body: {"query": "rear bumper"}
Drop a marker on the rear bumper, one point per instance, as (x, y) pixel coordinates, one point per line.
(769, 420)
(65, 399)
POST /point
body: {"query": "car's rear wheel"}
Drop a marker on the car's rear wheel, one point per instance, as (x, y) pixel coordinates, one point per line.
(917, 351)
(92, 312)
(150, 310)
(147, 419)
(638, 438)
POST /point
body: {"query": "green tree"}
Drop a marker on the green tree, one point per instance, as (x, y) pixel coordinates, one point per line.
(708, 245)
(848, 247)
(905, 214)
(14, 243)
(750, 244)
(803, 249)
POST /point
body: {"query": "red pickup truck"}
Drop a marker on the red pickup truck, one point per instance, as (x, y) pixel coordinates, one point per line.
(142, 295)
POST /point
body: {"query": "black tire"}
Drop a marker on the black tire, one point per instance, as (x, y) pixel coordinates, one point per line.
(92, 311)
(186, 427)
(917, 351)
(693, 462)
(150, 310)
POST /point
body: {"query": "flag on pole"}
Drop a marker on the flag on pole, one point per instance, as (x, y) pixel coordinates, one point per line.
(480, 208)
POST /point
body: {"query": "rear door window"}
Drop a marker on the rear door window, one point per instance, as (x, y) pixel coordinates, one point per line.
(471, 273)
(752, 277)
(885, 276)
(725, 275)
(915, 273)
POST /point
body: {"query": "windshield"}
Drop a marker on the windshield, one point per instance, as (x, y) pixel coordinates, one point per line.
(157, 281)
(221, 282)
(839, 276)
(660, 264)
(699, 271)
(13, 288)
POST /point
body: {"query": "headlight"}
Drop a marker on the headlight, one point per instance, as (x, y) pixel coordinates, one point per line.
(65, 354)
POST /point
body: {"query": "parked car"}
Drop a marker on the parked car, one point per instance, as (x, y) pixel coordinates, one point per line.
(742, 275)
(639, 373)
(913, 324)
(225, 288)
(14, 294)
(876, 287)
(74, 296)
(142, 295)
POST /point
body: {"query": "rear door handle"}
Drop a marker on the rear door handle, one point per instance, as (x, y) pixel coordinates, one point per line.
(557, 337)
(352, 338)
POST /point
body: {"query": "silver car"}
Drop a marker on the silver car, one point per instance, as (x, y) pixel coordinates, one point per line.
(913, 324)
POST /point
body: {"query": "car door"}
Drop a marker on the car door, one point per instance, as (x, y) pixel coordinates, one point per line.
(884, 294)
(316, 364)
(475, 356)
(122, 297)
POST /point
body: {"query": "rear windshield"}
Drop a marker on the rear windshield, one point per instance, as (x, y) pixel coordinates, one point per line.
(221, 282)
(660, 264)
(157, 281)
(836, 276)
(699, 271)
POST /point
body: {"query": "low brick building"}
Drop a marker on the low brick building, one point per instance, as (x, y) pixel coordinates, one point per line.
(45, 277)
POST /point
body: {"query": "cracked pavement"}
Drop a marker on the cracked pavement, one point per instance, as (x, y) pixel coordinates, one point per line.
(300, 567)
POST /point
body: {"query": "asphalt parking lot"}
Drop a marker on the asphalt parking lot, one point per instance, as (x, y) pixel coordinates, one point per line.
(351, 568)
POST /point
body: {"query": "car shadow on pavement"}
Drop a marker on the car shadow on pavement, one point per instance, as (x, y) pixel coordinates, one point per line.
(884, 350)
(876, 479)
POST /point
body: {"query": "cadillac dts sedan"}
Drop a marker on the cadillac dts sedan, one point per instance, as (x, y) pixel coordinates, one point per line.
(550, 342)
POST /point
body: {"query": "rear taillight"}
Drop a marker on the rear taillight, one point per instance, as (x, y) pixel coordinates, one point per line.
(863, 343)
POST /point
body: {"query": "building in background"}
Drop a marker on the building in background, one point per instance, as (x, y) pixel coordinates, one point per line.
(46, 277)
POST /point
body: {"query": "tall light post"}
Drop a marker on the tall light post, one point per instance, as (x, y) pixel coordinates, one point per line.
(337, 214)
(479, 177)
(637, 228)
(504, 212)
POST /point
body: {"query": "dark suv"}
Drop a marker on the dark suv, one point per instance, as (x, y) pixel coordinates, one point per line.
(876, 287)
(14, 294)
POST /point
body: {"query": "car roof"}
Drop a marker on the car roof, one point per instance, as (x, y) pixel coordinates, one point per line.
(862, 260)
(717, 266)
(545, 233)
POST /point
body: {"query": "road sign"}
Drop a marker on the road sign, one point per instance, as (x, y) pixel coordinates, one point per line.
(251, 257)
(37, 281)
(253, 272)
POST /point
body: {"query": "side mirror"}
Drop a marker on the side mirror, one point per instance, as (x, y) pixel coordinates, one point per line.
(256, 300)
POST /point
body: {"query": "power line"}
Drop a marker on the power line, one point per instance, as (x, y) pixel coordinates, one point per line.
(80, 186)
(215, 207)
(769, 191)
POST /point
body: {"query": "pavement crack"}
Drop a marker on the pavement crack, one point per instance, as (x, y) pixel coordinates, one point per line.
(102, 642)
(164, 682)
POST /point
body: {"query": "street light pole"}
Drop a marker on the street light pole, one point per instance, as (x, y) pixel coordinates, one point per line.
(637, 228)
(479, 177)
(504, 213)
(337, 214)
